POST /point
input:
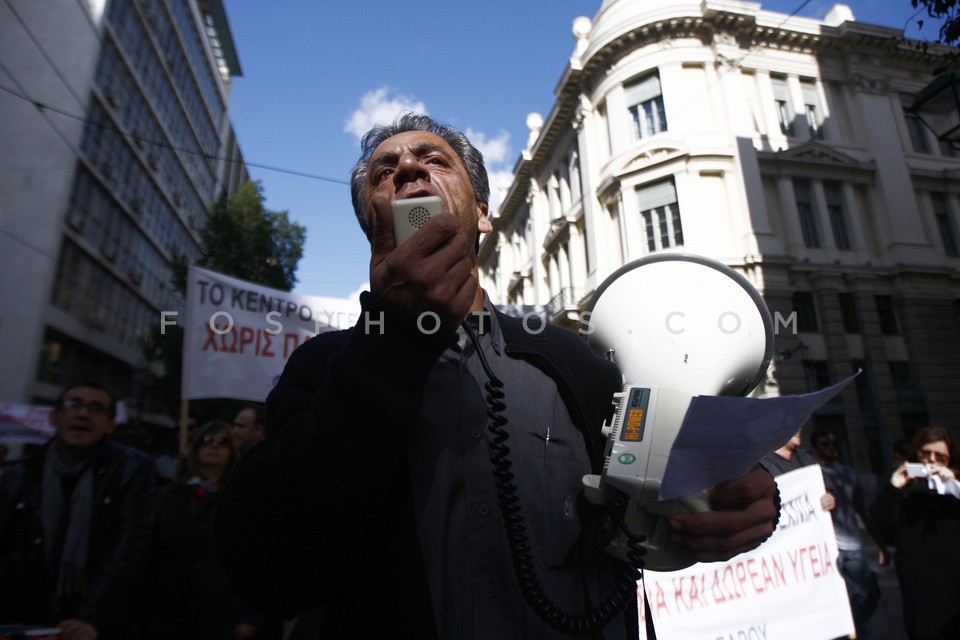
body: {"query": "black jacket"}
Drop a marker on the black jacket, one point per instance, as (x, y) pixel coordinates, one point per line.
(925, 529)
(353, 545)
(190, 597)
(123, 491)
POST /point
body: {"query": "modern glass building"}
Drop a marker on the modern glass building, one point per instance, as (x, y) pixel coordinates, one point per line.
(114, 138)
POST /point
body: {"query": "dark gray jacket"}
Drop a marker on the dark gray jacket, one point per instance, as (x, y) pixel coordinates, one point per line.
(123, 494)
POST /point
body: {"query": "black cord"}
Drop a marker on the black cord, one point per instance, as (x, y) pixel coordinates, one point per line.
(625, 577)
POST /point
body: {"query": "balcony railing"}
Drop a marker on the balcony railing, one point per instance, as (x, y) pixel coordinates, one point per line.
(565, 306)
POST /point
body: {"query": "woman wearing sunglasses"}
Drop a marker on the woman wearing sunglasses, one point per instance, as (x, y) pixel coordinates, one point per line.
(191, 596)
(919, 509)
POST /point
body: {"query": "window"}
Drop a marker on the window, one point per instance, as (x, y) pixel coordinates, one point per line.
(807, 212)
(887, 315)
(838, 220)
(645, 102)
(941, 212)
(811, 108)
(918, 134)
(848, 311)
(817, 373)
(806, 312)
(661, 215)
(913, 408)
(781, 97)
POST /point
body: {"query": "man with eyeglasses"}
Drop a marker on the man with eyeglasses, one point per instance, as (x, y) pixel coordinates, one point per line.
(73, 525)
(849, 503)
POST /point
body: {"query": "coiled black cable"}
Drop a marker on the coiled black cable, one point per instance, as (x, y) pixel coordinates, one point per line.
(626, 574)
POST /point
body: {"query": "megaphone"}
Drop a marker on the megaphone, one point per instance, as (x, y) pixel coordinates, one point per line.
(678, 326)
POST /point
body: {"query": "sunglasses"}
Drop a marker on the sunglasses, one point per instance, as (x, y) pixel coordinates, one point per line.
(828, 444)
(937, 456)
(93, 408)
(214, 439)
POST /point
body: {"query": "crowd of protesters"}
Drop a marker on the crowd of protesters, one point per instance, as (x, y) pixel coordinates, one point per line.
(102, 541)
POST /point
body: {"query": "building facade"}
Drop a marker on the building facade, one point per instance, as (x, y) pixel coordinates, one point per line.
(780, 148)
(114, 139)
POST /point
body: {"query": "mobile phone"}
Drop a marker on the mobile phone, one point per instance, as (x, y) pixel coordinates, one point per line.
(412, 213)
(918, 470)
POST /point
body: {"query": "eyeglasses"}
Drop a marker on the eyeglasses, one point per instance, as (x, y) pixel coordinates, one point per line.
(214, 439)
(93, 408)
(828, 444)
(937, 456)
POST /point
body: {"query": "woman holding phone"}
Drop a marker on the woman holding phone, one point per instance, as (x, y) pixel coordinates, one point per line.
(919, 511)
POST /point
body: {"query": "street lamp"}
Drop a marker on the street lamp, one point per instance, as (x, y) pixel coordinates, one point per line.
(938, 107)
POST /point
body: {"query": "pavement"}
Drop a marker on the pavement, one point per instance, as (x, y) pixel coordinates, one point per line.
(886, 623)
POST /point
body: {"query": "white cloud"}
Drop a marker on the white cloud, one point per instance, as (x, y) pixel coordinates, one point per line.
(494, 150)
(379, 107)
(383, 105)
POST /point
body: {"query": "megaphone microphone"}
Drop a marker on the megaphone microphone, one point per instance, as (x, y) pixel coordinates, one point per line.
(678, 326)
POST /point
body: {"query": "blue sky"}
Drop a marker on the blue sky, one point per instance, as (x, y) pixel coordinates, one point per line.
(316, 75)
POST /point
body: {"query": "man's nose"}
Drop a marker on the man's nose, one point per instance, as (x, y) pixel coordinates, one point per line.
(409, 168)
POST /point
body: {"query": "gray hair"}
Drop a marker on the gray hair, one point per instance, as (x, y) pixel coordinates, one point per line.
(472, 159)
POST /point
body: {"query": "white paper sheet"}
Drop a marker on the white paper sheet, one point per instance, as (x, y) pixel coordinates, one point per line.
(722, 437)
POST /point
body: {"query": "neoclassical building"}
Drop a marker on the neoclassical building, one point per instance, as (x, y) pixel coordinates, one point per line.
(780, 147)
(115, 137)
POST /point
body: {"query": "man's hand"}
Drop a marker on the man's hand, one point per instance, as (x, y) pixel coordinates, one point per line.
(74, 629)
(828, 502)
(432, 271)
(743, 516)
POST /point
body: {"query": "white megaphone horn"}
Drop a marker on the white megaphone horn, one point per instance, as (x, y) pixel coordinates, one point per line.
(678, 326)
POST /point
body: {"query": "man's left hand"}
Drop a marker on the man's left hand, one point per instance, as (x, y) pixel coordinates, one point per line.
(743, 516)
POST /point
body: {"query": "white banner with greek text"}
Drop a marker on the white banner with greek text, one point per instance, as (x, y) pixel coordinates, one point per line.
(237, 335)
(790, 587)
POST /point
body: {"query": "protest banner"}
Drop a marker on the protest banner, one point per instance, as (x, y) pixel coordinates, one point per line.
(30, 418)
(237, 335)
(789, 587)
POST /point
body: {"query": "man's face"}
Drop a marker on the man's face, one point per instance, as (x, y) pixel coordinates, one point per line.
(415, 164)
(246, 430)
(795, 441)
(81, 420)
(826, 448)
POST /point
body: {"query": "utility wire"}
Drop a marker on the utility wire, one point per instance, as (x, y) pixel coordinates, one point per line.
(42, 107)
(44, 53)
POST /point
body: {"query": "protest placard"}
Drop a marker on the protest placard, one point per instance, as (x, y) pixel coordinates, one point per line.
(789, 587)
(238, 335)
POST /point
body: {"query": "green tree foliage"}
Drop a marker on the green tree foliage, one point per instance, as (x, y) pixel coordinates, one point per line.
(243, 239)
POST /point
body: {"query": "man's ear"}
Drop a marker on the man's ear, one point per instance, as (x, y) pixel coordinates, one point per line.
(483, 222)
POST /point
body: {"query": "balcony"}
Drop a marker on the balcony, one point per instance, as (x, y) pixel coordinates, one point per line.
(564, 308)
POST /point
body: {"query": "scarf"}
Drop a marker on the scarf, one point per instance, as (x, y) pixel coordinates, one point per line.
(65, 518)
(204, 491)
